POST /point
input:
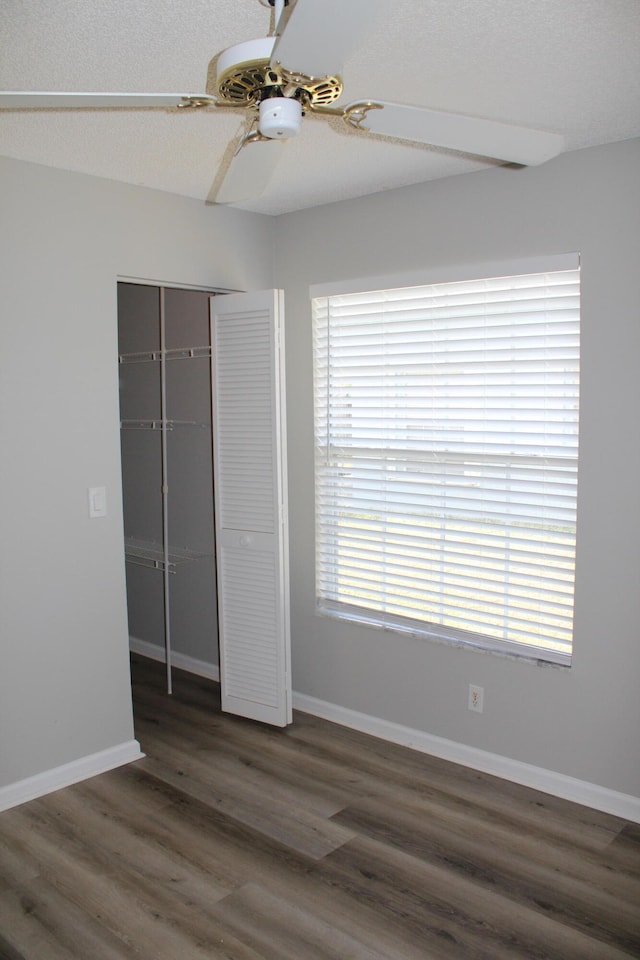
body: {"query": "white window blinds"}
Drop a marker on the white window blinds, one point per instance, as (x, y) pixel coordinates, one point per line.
(446, 421)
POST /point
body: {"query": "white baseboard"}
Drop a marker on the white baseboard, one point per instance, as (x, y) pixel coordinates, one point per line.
(179, 660)
(557, 784)
(68, 773)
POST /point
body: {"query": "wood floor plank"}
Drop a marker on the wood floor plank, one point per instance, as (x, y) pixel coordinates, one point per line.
(235, 758)
(138, 912)
(245, 855)
(273, 754)
(208, 836)
(289, 875)
(281, 930)
(8, 951)
(537, 883)
(446, 809)
(56, 924)
(442, 831)
(135, 850)
(439, 905)
(395, 767)
(290, 825)
(14, 866)
(440, 802)
(23, 933)
(623, 853)
(188, 827)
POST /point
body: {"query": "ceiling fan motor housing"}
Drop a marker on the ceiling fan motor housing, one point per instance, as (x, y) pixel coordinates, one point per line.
(246, 75)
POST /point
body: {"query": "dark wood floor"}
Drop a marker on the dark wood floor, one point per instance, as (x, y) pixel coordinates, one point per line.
(232, 840)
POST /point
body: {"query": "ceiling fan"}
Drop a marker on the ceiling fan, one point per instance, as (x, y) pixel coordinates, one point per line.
(296, 70)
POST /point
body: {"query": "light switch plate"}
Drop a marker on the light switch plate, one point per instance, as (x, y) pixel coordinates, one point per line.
(97, 502)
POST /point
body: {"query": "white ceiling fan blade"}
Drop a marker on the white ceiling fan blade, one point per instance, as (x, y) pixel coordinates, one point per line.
(483, 138)
(320, 35)
(39, 100)
(250, 171)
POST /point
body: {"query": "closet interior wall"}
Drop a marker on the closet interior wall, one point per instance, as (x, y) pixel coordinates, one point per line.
(167, 472)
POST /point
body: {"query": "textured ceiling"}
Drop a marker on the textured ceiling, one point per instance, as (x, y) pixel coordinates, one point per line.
(567, 66)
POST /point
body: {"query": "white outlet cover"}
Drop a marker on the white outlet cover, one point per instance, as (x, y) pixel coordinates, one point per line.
(476, 698)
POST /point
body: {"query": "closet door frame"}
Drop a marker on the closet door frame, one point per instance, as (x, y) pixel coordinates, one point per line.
(273, 702)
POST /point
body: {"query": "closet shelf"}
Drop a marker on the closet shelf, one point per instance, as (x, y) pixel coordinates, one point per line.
(147, 357)
(148, 553)
(175, 353)
(162, 424)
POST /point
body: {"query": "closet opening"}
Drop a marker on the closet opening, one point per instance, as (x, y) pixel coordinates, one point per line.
(164, 347)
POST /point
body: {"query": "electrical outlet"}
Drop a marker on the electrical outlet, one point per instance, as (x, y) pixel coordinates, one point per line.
(476, 698)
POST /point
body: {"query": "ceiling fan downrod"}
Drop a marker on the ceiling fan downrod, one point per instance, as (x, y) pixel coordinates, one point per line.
(278, 7)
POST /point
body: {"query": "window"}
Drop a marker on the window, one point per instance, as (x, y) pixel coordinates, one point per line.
(446, 429)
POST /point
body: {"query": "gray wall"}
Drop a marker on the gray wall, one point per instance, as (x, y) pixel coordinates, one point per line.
(64, 683)
(583, 721)
(64, 676)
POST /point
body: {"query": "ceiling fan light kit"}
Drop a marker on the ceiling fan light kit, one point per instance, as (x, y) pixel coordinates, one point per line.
(280, 118)
(251, 76)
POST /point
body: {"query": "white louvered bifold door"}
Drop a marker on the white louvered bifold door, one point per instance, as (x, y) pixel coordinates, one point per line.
(250, 500)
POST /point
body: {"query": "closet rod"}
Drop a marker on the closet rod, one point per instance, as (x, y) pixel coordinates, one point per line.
(162, 424)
